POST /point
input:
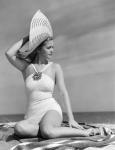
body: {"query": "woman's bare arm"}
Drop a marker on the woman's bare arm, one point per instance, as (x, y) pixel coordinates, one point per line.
(63, 91)
(12, 52)
(62, 88)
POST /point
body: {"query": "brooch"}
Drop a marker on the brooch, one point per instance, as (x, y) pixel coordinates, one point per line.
(37, 75)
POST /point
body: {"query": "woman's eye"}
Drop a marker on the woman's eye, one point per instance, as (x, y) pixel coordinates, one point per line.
(49, 47)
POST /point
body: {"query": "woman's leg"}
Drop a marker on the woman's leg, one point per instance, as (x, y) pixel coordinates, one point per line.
(26, 128)
(50, 127)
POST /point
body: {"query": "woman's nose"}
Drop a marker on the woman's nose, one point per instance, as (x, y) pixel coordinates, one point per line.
(51, 50)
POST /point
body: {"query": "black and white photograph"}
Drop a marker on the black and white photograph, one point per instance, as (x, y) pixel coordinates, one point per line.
(57, 74)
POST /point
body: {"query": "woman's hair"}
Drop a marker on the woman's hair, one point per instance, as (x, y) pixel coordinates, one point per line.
(44, 42)
(31, 57)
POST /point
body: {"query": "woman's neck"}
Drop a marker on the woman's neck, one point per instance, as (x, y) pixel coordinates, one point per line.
(40, 61)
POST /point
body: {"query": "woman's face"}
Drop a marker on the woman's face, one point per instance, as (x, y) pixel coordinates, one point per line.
(47, 49)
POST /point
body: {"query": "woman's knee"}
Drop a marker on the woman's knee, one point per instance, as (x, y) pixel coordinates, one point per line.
(25, 129)
(20, 128)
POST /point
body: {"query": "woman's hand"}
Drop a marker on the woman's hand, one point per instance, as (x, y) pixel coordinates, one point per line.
(73, 123)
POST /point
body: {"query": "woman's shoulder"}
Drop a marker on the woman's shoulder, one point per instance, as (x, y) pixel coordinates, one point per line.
(56, 66)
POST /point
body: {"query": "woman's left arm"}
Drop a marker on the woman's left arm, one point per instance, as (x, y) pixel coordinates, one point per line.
(63, 91)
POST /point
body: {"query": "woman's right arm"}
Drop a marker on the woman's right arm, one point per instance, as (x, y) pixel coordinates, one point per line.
(12, 52)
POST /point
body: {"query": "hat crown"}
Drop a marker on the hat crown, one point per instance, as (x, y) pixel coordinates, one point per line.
(40, 30)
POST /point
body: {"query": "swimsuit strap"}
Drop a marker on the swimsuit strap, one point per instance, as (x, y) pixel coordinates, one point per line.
(35, 68)
(43, 68)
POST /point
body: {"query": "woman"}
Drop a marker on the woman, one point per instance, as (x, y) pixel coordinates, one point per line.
(40, 75)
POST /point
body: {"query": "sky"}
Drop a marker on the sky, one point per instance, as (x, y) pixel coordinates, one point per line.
(84, 33)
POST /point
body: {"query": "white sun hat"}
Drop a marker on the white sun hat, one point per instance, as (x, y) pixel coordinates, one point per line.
(40, 30)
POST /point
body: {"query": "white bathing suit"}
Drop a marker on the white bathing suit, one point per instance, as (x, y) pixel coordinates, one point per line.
(39, 93)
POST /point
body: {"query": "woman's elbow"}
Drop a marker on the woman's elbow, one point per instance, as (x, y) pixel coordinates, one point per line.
(7, 54)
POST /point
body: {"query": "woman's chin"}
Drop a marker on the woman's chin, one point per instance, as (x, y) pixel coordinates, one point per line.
(49, 57)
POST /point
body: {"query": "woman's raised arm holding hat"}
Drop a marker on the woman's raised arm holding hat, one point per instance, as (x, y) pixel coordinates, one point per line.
(12, 54)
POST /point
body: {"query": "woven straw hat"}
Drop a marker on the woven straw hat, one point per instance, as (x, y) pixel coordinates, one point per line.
(40, 30)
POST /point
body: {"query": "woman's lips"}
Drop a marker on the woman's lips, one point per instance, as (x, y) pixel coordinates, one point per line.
(50, 54)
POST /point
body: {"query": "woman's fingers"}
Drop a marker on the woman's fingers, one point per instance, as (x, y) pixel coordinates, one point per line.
(76, 125)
